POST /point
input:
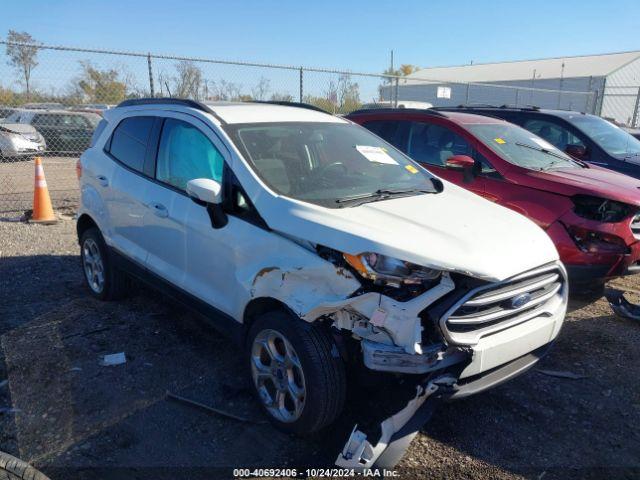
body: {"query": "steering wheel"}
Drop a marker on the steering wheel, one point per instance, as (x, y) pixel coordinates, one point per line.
(330, 166)
(320, 174)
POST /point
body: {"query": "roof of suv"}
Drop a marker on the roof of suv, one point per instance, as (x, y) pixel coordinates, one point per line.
(456, 116)
(244, 112)
(504, 108)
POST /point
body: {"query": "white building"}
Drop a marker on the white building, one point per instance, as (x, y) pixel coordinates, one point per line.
(607, 84)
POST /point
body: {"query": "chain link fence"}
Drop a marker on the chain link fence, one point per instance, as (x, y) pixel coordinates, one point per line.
(51, 98)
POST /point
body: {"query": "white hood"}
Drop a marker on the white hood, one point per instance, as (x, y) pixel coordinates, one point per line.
(453, 230)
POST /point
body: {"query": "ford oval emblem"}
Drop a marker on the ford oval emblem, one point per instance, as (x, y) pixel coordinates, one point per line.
(521, 300)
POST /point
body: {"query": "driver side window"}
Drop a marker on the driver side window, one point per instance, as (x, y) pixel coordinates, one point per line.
(434, 145)
(185, 153)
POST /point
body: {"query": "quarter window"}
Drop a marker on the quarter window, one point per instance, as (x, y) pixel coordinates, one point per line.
(184, 154)
(129, 141)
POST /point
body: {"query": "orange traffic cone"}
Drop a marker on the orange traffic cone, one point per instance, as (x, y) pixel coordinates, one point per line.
(42, 209)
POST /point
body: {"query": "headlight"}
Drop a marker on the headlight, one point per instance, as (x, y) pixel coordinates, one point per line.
(600, 209)
(385, 270)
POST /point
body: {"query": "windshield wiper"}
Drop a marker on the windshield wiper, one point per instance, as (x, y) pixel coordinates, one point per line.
(382, 194)
(553, 154)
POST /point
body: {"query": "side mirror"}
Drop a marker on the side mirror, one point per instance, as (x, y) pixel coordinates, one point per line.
(205, 190)
(460, 162)
(576, 151)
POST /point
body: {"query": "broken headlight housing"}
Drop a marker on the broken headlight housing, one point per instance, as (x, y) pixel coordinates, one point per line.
(600, 209)
(385, 270)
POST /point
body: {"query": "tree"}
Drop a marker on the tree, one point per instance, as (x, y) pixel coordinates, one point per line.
(189, 82)
(224, 90)
(101, 86)
(348, 94)
(22, 51)
(261, 90)
(408, 69)
(281, 97)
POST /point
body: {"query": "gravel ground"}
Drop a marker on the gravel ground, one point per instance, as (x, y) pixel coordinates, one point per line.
(72, 416)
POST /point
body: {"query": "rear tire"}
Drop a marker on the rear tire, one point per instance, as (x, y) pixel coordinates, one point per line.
(12, 468)
(296, 371)
(101, 276)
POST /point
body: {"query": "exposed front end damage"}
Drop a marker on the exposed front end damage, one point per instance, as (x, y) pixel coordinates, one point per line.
(396, 431)
(454, 334)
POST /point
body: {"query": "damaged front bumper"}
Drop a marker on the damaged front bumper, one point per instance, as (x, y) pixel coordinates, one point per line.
(396, 432)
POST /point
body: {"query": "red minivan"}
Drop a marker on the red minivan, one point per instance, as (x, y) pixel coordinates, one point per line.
(592, 214)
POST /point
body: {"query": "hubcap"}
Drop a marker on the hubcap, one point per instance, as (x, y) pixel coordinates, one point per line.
(277, 375)
(93, 266)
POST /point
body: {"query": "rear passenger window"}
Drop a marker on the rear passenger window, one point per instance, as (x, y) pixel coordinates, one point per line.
(129, 141)
(185, 153)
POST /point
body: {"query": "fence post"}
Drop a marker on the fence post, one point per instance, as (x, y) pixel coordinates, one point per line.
(466, 97)
(397, 92)
(301, 80)
(150, 75)
(635, 109)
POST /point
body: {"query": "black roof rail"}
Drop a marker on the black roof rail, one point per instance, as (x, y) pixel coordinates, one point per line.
(426, 111)
(490, 107)
(285, 103)
(163, 101)
(185, 102)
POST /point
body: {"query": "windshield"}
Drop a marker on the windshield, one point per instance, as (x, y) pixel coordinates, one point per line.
(521, 147)
(329, 164)
(609, 137)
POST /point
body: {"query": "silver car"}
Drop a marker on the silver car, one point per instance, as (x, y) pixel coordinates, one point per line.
(20, 140)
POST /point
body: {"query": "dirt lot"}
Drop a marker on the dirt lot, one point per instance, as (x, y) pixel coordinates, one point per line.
(73, 418)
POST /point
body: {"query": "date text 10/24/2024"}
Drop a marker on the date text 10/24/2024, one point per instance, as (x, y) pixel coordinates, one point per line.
(314, 472)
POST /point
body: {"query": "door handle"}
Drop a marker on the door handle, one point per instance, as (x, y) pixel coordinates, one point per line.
(159, 210)
(102, 180)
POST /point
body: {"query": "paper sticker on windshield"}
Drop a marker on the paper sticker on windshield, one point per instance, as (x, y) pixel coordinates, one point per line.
(543, 143)
(376, 154)
(411, 168)
(499, 140)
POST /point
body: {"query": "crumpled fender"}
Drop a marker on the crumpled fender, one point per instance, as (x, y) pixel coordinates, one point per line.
(322, 289)
(305, 286)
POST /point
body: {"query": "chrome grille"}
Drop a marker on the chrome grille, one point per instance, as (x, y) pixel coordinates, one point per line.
(502, 305)
(635, 226)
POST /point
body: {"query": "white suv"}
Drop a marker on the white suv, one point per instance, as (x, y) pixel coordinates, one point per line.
(316, 245)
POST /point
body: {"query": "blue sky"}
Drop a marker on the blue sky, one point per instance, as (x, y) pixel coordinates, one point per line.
(354, 35)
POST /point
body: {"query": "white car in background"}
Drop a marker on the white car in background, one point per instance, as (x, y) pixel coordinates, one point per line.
(20, 141)
(316, 246)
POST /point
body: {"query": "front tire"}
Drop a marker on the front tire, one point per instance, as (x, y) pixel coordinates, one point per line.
(12, 468)
(297, 373)
(104, 280)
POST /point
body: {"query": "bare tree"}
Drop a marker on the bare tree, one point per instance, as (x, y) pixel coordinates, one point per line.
(261, 90)
(224, 90)
(189, 82)
(22, 51)
(281, 97)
